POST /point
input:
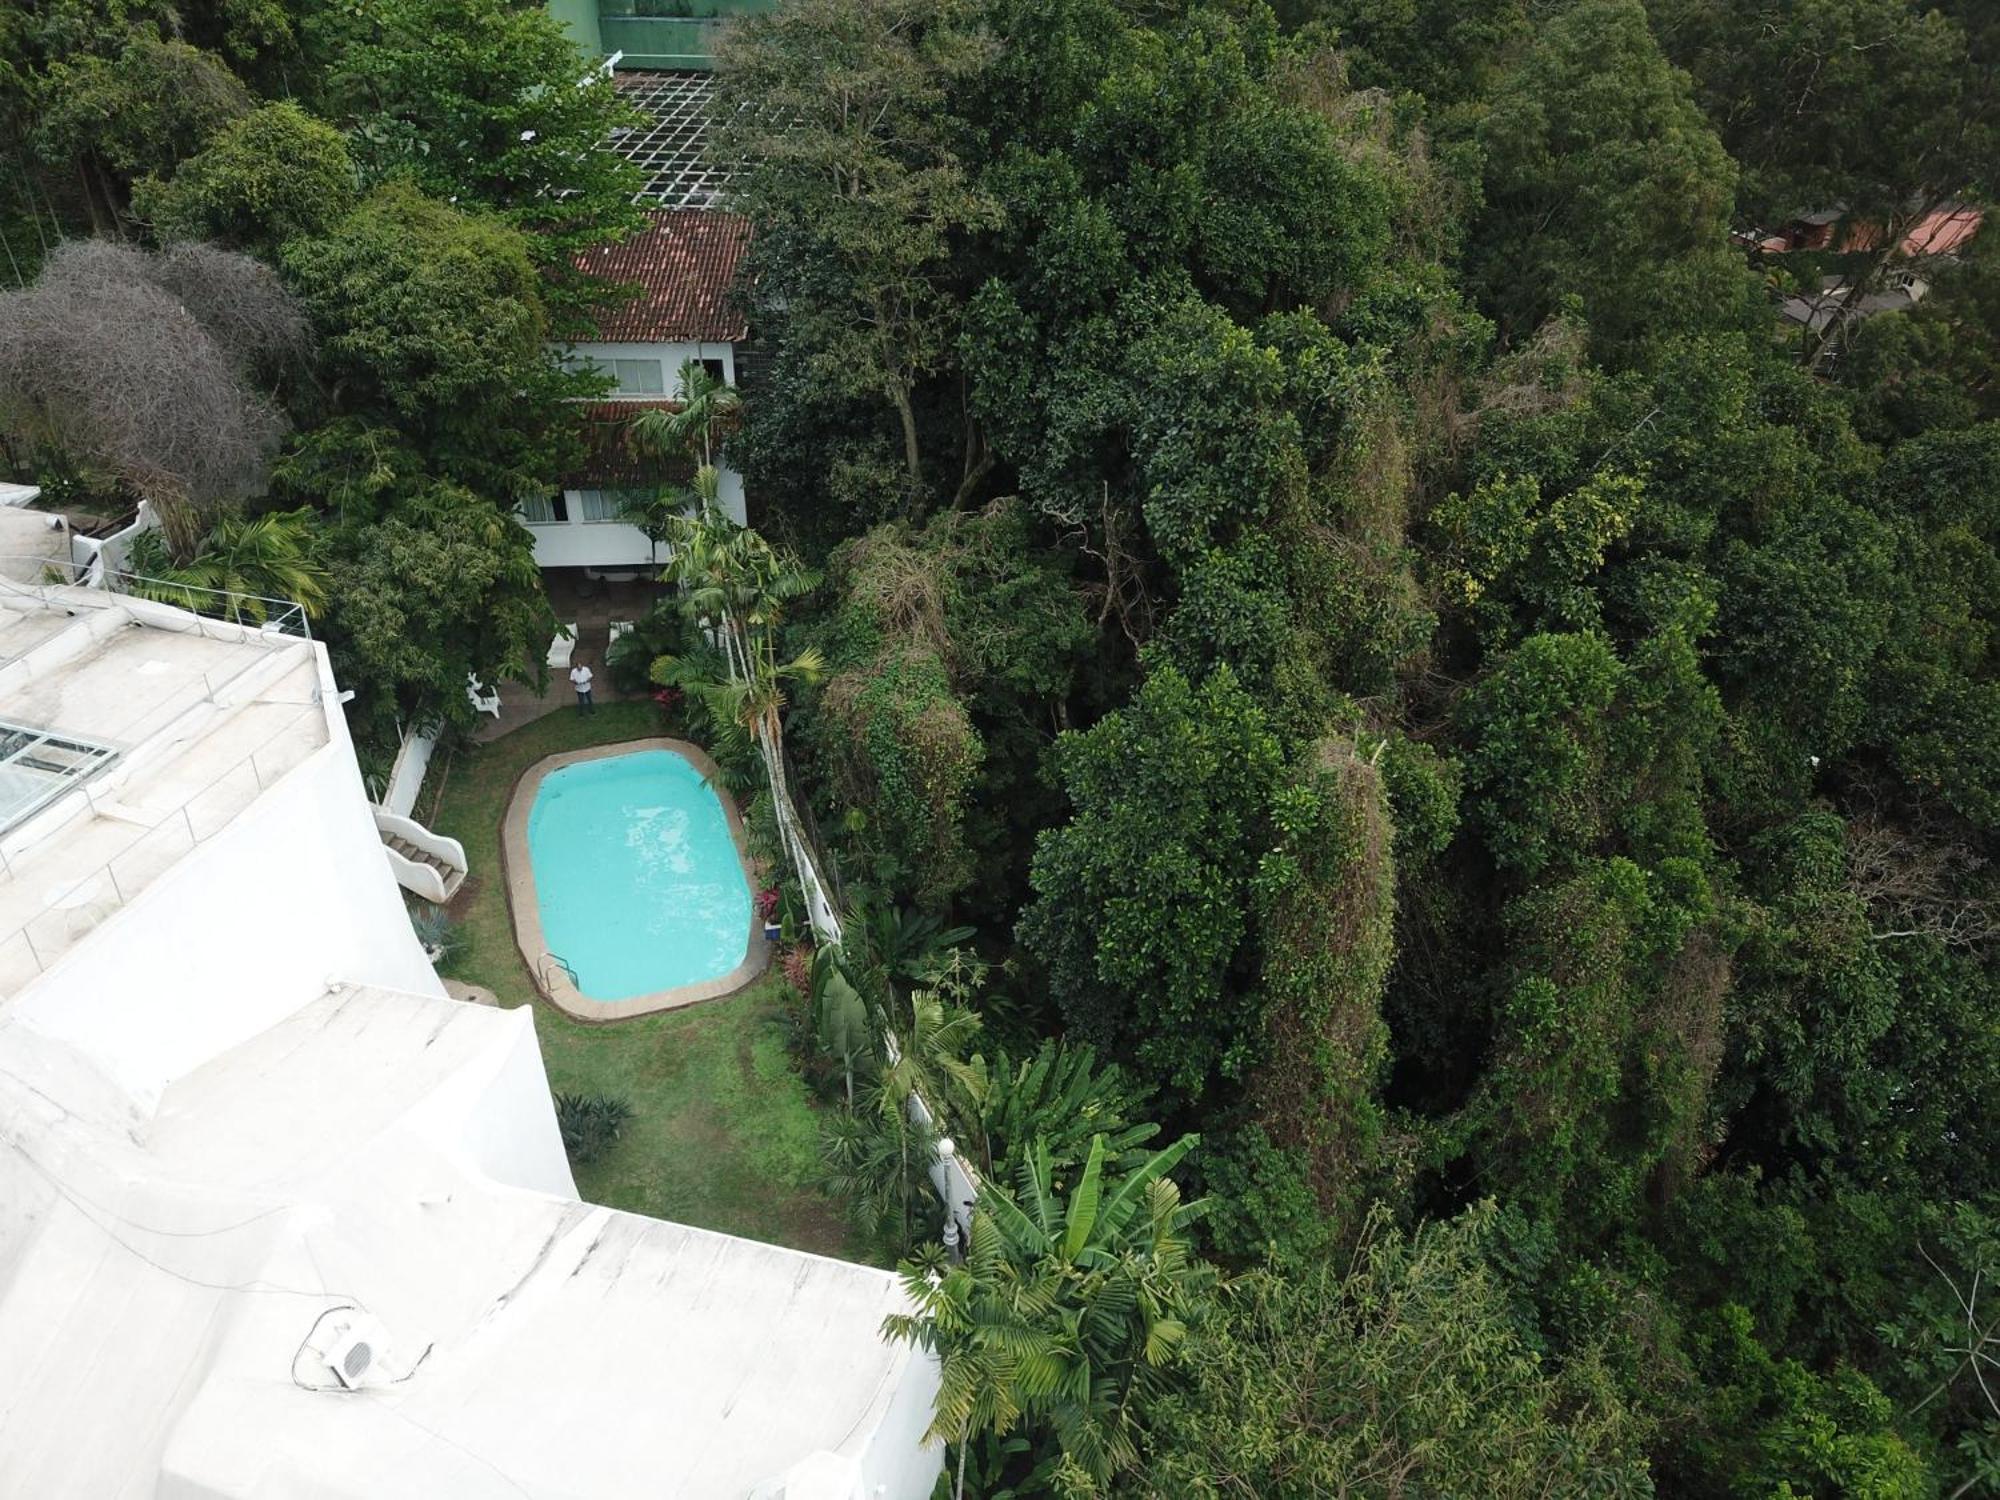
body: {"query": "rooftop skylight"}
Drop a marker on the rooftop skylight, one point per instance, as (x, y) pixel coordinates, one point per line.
(37, 766)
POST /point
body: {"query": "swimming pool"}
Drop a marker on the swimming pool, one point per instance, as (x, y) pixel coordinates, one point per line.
(637, 878)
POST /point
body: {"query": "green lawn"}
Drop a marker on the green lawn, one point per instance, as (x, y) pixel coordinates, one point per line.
(723, 1133)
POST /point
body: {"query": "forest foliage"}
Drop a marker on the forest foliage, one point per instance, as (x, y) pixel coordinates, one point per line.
(1503, 745)
(411, 178)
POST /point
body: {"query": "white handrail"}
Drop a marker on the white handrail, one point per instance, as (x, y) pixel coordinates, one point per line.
(415, 875)
(178, 825)
(286, 616)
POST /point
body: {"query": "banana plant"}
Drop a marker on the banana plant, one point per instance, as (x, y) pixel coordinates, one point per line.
(1069, 1305)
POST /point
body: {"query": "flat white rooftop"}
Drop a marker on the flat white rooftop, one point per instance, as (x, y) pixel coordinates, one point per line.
(201, 714)
(161, 1273)
(242, 1131)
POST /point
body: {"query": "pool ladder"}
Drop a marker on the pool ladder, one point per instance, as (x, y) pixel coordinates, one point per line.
(561, 963)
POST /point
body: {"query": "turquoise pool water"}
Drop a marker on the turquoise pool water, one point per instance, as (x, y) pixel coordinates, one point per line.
(636, 876)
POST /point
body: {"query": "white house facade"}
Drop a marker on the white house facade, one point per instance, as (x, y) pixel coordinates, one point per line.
(277, 1217)
(683, 265)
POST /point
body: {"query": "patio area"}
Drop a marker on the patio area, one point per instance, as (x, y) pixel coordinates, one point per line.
(591, 605)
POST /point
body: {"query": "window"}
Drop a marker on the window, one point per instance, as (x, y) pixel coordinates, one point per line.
(544, 510)
(609, 505)
(628, 377)
(638, 377)
(714, 368)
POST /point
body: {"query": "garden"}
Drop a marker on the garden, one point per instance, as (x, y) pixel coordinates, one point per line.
(722, 1133)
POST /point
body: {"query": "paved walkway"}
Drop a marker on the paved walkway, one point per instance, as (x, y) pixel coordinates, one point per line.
(590, 605)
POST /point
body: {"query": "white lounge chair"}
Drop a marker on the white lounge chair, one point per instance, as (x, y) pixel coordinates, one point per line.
(563, 647)
(484, 700)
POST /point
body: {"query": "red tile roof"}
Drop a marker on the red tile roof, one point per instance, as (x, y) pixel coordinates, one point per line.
(1942, 232)
(684, 263)
(1939, 232)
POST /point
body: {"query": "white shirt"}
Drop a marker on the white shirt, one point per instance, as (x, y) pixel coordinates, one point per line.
(580, 675)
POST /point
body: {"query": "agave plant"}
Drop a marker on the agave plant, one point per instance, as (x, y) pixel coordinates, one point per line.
(590, 1124)
(436, 931)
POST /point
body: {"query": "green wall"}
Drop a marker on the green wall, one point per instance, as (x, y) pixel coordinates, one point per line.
(653, 41)
(658, 41)
(579, 18)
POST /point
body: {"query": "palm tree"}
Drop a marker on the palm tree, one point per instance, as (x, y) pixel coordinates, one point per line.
(736, 585)
(930, 1055)
(708, 405)
(878, 1164)
(246, 560)
(1065, 1310)
(924, 1071)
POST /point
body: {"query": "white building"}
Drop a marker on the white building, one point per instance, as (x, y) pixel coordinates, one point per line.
(683, 264)
(277, 1218)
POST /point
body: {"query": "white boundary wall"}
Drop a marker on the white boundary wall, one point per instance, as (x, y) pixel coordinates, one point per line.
(406, 776)
(95, 557)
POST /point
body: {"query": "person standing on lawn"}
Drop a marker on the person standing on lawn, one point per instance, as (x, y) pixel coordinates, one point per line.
(580, 677)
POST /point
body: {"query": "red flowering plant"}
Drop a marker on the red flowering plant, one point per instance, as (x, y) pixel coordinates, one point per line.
(767, 903)
(667, 697)
(798, 963)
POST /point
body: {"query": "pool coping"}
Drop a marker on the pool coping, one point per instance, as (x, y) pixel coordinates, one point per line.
(554, 985)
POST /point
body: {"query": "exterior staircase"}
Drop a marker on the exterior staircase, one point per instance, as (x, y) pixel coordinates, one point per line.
(425, 864)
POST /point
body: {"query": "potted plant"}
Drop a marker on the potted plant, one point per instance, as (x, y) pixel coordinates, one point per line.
(767, 910)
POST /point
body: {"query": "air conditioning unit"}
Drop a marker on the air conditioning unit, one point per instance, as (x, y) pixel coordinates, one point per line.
(354, 1348)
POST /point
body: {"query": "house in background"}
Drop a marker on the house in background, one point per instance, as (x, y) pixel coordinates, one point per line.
(683, 264)
(650, 33)
(1935, 236)
(1942, 231)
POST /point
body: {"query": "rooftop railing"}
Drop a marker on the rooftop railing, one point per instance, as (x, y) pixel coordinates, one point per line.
(251, 611)
(65, 908)
(41, 579)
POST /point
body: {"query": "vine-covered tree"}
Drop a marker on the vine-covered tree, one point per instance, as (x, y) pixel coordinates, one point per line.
(1140, 910)
(263, 179)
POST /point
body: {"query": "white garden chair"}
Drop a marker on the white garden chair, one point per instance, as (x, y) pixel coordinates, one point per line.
(484, 700)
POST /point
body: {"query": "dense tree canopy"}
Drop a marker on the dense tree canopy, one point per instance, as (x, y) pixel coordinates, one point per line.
(1534, 740)
(270, 176)
(418, 175)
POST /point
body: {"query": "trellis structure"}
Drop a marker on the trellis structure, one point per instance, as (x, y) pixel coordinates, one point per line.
(667, 146)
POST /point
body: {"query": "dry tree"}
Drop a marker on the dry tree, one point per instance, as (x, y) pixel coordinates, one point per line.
(145, 368)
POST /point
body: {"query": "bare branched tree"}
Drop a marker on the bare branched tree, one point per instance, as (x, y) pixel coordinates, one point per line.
(1918, 884)
(1979, 1352)
(139, 367)
(239, 301)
